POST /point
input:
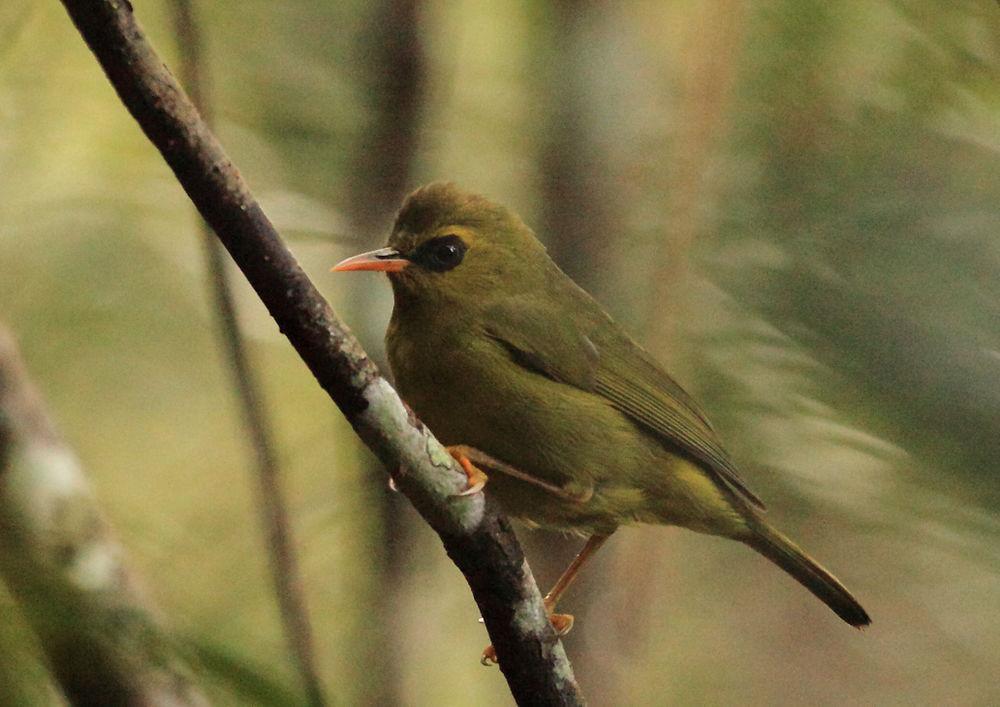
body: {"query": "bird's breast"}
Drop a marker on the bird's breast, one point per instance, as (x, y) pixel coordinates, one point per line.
(470, 391)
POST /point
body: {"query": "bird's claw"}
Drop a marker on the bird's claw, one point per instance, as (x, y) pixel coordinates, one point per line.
(489, 656)
(473, 489)
(561, 624)
(477, 478)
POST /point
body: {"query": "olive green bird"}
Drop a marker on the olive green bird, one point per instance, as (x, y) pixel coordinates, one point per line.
(524, 374)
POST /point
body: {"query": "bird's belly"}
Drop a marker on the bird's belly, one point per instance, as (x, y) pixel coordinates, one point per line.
(562, 435)
(550, 431)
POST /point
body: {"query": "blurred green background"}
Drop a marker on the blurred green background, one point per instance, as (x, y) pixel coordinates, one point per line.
(793, 203)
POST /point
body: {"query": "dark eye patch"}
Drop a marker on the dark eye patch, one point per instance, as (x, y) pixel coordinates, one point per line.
(440, 254)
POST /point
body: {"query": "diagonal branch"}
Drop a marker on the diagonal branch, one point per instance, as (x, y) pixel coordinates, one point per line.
(480, 542)
(270, 499)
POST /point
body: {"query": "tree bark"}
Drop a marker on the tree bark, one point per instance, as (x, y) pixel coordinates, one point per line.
(478, 540)
(63, 565)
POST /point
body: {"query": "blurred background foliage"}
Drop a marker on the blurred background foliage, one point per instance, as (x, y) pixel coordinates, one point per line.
(793, 202)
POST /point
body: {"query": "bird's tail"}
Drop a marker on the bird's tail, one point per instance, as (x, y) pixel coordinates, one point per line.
(809, 573)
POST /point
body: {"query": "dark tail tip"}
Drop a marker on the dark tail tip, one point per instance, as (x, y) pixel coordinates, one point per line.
(809, 573)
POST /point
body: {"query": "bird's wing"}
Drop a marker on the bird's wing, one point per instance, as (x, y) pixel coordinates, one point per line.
(599, 358)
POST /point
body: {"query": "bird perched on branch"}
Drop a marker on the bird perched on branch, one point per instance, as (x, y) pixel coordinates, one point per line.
(525, 375)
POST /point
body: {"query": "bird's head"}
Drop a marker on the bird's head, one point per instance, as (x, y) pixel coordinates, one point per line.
(448, 245)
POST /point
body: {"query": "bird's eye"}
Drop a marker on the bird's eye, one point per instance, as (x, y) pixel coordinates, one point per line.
(447, 253)
(442, 253)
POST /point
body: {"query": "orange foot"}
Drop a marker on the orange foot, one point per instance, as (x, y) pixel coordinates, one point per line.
(489, 656)
(561, 624)
(477, 478)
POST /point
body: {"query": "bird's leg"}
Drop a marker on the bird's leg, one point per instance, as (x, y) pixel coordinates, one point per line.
(476, 478)
(561, 623)
(465, 454)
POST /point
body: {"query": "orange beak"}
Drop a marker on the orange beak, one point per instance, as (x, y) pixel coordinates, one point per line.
(383, 260)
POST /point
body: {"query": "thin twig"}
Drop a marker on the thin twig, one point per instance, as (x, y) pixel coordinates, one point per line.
(478, 540)
(274, 515)
(392, 67)
(395, 97)
(580, 187)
